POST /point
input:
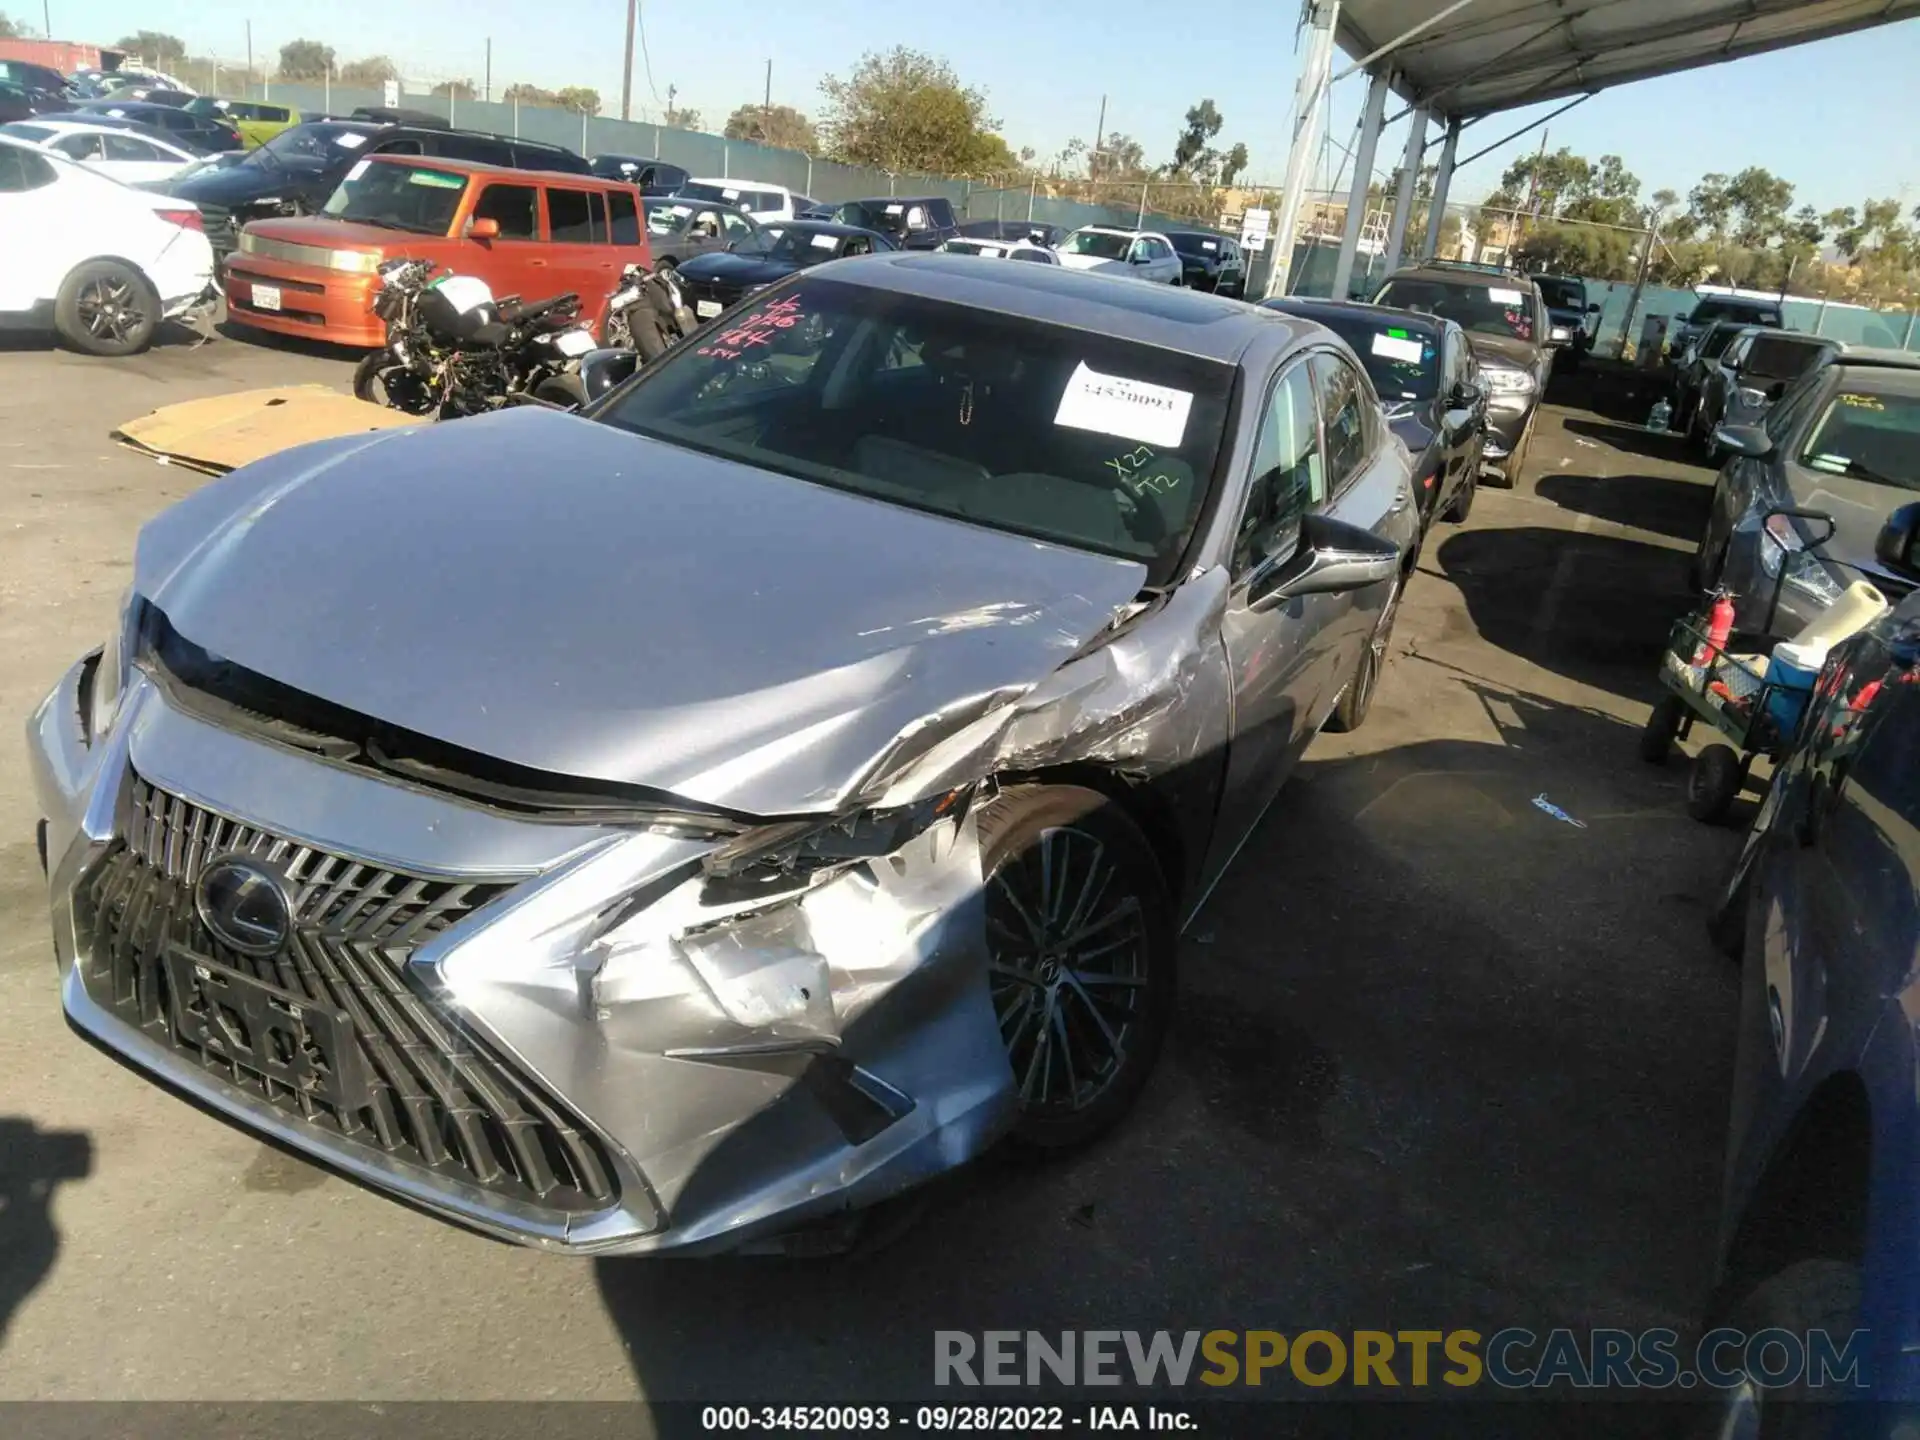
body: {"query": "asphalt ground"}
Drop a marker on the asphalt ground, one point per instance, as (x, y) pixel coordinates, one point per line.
(1443, 1060)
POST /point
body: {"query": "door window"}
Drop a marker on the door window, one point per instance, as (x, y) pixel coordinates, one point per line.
(1289, 473)
(1782, 419)
(130, 147)
(570, 218)
(625, 216)
(273, 114)
(22, 170)
(79, 147)
(738, 231)
(515, 207)
(916, 217)
(1344, 403)
(401, 147)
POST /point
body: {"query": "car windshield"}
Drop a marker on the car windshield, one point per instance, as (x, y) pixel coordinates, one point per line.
(1099, 243)
(1197, 245)
(1563, 294)
(671, 219)
(1403, 362)
(398, 197)
(1056, 433)
(310, 147)
(1869, 437)
(1718, 339)
(1746, 314)
(1483, 309)
(1773, 358)
(799, 246)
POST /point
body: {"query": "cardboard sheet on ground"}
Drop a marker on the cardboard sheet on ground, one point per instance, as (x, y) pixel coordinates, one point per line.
(224, 432)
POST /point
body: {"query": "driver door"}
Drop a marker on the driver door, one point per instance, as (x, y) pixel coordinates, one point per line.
(1275, 664)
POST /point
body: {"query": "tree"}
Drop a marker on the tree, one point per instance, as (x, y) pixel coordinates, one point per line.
(1571, 249)
(10, 29)
(1235, 163)
(777, 125)
(373, 70)
(456, 90)
(907, 111)
(532, 96)
(581, 99)
(1190, 147)
(685, 120)
(155, 47)
(305, 60)
(1120, 158)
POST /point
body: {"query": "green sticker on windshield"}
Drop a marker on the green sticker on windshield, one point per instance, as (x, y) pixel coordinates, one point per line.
(1399, 334)
(436, 180)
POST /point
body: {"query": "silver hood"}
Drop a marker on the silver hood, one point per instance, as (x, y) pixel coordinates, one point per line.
(562, 595)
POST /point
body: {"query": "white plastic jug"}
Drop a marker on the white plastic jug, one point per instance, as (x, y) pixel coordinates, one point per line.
(1859, 605)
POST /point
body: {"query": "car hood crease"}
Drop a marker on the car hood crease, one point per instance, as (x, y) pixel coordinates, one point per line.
(566, 596)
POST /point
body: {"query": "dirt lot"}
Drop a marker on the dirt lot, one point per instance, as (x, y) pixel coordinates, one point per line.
(1443, 1060)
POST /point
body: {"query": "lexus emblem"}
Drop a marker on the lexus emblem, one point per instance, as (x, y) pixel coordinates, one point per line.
(244, 903)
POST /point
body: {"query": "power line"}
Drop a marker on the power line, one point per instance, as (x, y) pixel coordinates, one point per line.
(645, 59)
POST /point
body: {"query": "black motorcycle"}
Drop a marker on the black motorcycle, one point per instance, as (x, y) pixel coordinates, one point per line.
(649, 311)
(452, 349)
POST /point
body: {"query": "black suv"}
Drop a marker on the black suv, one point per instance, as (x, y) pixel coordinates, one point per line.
(295, 171)
(656, 178)
(914, 222)
(1505, 318)
(1740, 309)
(1210, 261)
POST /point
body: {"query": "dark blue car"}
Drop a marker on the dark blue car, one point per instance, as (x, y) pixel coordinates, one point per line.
(1821, 1219)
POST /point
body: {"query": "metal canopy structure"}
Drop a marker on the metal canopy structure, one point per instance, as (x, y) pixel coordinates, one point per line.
(1454, 61)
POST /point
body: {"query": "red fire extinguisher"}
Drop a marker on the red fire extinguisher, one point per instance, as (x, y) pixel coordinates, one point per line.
(1719, 629)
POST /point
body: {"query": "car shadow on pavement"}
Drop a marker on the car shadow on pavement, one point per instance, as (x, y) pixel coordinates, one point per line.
(1591, 607)
(33, 1163)
(1637, 440)
(1669, 505)
(1416, 1077)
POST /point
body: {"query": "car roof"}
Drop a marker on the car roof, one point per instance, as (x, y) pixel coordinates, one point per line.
(1313, 308)
(1446, 275)
(892, 200)
(483, 167)
(1880, 377)
(1873, 357)
(1192, 322)
(820, 227)
(736, 183)
(1194, 230)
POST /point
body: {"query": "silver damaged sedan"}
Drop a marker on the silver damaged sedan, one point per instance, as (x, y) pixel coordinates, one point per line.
(678, 827)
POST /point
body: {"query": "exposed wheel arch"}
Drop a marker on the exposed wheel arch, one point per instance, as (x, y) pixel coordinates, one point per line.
(1139, 800)
(1811, 1200)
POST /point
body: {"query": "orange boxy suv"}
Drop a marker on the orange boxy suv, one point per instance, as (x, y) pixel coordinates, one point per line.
(529, 233)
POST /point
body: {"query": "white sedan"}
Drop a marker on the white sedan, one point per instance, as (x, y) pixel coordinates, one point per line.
(1109, 250)
(1000, 249)
(134, 159)
(97, 261)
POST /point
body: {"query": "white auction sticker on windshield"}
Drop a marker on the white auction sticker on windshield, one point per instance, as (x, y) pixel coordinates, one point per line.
(1129, 409)
(1209, 245)
(349, 139)
(1506, 297)
(1392, 347)
(359, 169)
(825, 242)
(895, 209)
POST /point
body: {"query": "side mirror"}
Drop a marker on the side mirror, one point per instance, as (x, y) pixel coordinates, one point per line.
(485, 228)
(1748, 440)
(1898, 544)
(1467, 395)
(1594, 308)
(1333, 557)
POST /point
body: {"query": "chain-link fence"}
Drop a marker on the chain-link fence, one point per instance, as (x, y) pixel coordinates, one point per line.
(1608, 258)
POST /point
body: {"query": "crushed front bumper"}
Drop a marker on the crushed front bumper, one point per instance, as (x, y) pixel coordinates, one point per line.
(743, 1068)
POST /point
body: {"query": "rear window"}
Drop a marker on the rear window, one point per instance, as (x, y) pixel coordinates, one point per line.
(1060, 434)
(570, 217)
(1746, 313)
(625, 217)
(1563, 294)
(1480, 308)
(1869, 437)
(712, 194)
(1770, 358)
(414, 198)
(1199, 246)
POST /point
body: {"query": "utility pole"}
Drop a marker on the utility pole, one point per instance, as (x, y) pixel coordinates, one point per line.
(1639, 289)
(487, 86)
(626, 65)
(1533, 186)
(46, 18)
(766, 108)
(1099, 142)
(249, 54)
(671, 92)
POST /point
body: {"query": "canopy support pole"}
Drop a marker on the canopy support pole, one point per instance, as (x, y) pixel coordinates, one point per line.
(1442, 180)
(1403, 197)
(1309, 94)
(1378, 84)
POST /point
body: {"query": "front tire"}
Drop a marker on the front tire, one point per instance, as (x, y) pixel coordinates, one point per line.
(106, 307)
(1081, 931)
(1808, 1296)
(1517, 460)
(1461, 505)
(1357, 699)
(374, 381)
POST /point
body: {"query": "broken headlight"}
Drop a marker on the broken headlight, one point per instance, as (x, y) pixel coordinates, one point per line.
(111, 670)
(776, 858)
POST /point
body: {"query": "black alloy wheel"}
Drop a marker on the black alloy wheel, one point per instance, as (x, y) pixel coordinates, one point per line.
(107, 308)
(1081, 939)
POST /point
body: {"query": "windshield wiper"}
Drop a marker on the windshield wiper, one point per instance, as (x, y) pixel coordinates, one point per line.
(1858, 471)
(388, 224)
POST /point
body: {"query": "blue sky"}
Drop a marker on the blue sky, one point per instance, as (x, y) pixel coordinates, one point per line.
(1044, 65)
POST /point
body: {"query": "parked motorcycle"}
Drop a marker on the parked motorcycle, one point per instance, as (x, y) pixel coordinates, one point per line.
(453, 349)
(649, 311)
